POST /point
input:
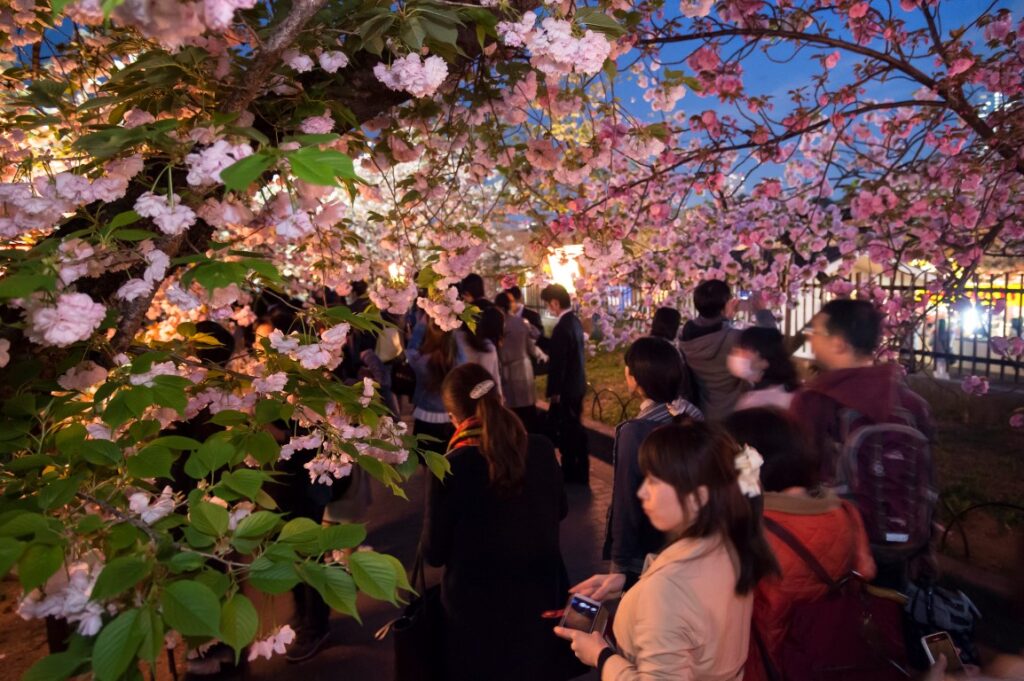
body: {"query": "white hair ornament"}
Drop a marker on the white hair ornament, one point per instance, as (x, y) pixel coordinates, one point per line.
(748, 464)
(481, 389)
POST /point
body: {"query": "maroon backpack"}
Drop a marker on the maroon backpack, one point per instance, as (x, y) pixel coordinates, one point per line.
(849, 634)
(886, 470)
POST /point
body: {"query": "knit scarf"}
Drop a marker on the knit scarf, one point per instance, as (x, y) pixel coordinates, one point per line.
(467, 434)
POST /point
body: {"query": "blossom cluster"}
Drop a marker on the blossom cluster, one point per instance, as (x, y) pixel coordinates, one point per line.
(66, 596)
(413, 74)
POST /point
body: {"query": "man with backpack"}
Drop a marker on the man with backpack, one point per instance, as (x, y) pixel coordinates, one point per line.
(873, 435)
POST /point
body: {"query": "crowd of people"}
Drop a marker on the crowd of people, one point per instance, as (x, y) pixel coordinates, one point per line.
(742, 495)
(742, 498)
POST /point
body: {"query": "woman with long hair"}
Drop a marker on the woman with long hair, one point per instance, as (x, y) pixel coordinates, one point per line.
(760, 358)
(431, 362)
(689, 615)
(493, 526)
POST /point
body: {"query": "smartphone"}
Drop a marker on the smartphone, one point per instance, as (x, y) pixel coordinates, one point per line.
(940, 643)
(581, 613)
(744, 295)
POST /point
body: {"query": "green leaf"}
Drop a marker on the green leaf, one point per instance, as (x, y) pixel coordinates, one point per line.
(191, 608)
(10, 552)
(185, 561)
(413, 33)
(22, 285)
(177, 442)
(101, 452)
(374, 574)
(267, 411)
(59, 492)
(299, 531)
(321, 166)
(262, 446)
(240, 174)
(116, 646)
(152, 461)
(211, 455)
(593, 18)
(123, 219)
(437, 463)
(229, 417)
(334, 584)
(337, 537)
(257, 524)
(244, 481)
(152, 628)
(119, 575)
(55, 667)
(238, 623)
(272, 577)
(38, 564)
(209, 518)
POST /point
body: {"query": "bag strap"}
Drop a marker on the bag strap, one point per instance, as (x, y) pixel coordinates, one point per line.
(800, 550)
(766, 661)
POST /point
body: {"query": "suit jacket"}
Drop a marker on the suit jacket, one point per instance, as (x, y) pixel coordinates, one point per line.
(533, 317)
(566, 373)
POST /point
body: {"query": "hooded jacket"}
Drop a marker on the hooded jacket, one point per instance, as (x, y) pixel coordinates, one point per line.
(877, 392)
(832, 530)
(706, 354)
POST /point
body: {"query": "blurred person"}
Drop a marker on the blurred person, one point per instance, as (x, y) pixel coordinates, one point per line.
(759, 357)
(515, 352)
(472, 290)
(480, 345)
(706, 342)
(431, 362)
(566, 385)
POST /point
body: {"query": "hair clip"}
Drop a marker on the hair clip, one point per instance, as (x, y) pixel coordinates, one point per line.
(748, 464)
(481, 389)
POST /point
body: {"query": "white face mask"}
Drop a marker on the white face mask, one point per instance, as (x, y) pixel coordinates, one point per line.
(742, 367)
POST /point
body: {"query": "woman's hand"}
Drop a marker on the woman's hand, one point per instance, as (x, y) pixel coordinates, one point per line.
(587, 647)
(601, 587)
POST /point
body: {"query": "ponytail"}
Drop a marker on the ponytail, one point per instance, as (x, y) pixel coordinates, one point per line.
(503, 439)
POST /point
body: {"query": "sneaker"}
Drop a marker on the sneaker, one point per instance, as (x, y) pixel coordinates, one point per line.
(306, 645)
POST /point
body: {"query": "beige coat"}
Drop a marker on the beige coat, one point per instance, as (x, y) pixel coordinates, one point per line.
(683, 620)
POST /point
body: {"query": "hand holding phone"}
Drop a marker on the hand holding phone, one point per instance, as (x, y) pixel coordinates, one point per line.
(940, 643)
(581, 613)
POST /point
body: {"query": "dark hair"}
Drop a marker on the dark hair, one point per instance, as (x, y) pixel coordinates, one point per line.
(515, 292)
(219, 354)
(789, 460)
(657, 367)
(473, 284)
(556, 292)
(440, 350)
(769, 345)
(490, 326)
(359, 287)
(666, 323)
(693, 454)
(857, 322)
(504, 301)
(503, 439)
(710, 298)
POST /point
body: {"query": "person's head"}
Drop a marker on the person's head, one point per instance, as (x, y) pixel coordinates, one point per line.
(691, 490)
(760, 357)
(710, 298)
(469, 390)
(666, 323)
(472, 287)
(556, 298)
(359, 289)
(845, 334)
(490, 326)
(788, 456)
(504, 302)
(517, 298)
(440, 350)
(654, 366)
(216, 354)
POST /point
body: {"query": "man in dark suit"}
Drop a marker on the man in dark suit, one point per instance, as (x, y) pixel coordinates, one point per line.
(567, 383)
(520, 310)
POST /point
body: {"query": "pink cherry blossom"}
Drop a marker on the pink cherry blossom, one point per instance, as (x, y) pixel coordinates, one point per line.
(831, 60)
(332, 61)
(695, 8)
(171, 217)
(1017, 420)
(975, 385)
(959, 66)
(74, 318)
(298, 61)
(516, 34)
(413, 74)
(150, 508)
(82, 377)
(5, 355)
(274, 383)
(317, 125)
(205, 165)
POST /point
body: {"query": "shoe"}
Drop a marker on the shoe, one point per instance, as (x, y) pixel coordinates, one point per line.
(307, 644)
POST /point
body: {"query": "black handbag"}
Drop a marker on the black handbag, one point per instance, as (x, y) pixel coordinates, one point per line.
(418, 633)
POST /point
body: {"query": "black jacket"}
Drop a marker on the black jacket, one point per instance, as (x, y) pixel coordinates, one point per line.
(502, 567)
(533, 317)
(566, 374)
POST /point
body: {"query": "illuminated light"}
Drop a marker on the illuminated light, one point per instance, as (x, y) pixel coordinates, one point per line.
(396, 272)
(564, 265)
(971, 320)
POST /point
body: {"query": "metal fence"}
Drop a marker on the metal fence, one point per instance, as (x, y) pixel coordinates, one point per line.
(953, 339)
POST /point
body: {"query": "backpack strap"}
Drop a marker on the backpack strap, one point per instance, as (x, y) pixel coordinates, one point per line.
(790, 540)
